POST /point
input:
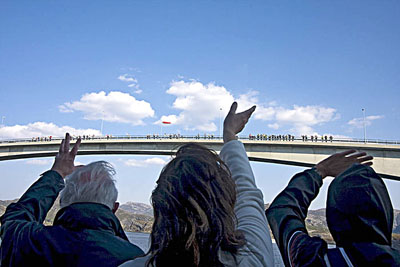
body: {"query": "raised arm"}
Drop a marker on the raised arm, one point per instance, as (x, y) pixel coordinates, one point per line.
(249, 207)
(288, 211)
(38, 199)
(22, 219)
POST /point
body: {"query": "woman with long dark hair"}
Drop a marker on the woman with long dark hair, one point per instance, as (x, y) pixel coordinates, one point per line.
(208, 210)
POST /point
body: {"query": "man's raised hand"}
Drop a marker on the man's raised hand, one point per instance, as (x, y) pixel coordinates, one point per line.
(235, 122)
(64, 161)
(339, 162)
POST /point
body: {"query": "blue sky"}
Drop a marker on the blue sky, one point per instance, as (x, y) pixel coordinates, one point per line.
(309, 66)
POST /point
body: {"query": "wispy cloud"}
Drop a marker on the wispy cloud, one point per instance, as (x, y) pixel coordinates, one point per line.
(145, 162)
(127, 78)
(39, 129)
(48, 162)
(133, 82)
(359, 122)
(113, 107)
(39, 162)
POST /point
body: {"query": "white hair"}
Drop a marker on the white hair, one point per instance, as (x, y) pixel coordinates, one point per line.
(91, 183)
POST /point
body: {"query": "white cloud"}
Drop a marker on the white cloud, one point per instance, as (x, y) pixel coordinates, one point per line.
(127, 78)
(113, 107)
(274, 126)
(139, 91)
(43, 162)
(200, 108)
(145, 162)
(133, 82)
(306, 115)
(199, 104)
(338, 136)
(42, 129)
(359, 122)
(39, 162)
(300, 119)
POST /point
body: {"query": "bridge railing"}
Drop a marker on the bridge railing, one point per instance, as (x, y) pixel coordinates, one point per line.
(205, 137)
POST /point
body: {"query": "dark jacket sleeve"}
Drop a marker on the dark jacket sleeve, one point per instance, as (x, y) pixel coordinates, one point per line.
(22, 220)
(286, 215)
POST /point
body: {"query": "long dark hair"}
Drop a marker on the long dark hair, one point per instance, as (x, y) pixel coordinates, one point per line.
(194, 210)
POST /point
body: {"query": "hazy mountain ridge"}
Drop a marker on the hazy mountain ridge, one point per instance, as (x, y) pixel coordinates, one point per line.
(138, 217)
(133, 216)
(137, 208)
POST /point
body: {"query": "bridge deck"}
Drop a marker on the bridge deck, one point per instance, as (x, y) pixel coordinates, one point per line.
(298, 153)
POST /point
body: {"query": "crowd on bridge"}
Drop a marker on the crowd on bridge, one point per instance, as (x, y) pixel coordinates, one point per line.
(179, 136)
(262, 137)
(82, 137)
(272, 137)
(208, 211)
(42, 138)
(314, 138)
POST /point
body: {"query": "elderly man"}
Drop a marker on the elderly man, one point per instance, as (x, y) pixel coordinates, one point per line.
(85, 231)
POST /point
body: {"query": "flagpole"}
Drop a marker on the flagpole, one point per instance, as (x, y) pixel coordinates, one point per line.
(162, 123)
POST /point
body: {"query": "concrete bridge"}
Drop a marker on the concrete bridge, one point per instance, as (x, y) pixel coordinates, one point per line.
(297, 153)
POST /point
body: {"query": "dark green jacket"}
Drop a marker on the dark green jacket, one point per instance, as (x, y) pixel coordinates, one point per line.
(83, 234)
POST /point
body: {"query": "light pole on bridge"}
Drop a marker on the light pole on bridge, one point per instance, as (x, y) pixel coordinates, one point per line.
(102, 121)
(220, 122)
(365, 126)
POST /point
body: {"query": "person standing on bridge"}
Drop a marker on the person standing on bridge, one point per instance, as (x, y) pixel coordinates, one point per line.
(208, 210)
(359, 214)
(85, 231)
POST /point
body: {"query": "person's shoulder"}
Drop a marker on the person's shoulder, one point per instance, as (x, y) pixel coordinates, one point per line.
(140, 261)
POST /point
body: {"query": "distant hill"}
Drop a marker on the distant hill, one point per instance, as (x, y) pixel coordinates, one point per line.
(396, 222)
(138, 217)
(133, 216)
(137, 208)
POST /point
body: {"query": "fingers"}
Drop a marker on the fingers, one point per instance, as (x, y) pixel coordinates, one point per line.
(233, 108)
(347, 152)
(66, 143)
(360, 157)
(74, 150)
(363, 159)
(61, 149)
(357, 155)
(247, 113)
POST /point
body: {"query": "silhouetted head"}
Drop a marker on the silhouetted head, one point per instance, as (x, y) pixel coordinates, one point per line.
(359, 208)
(194, 210)
(91, 183)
